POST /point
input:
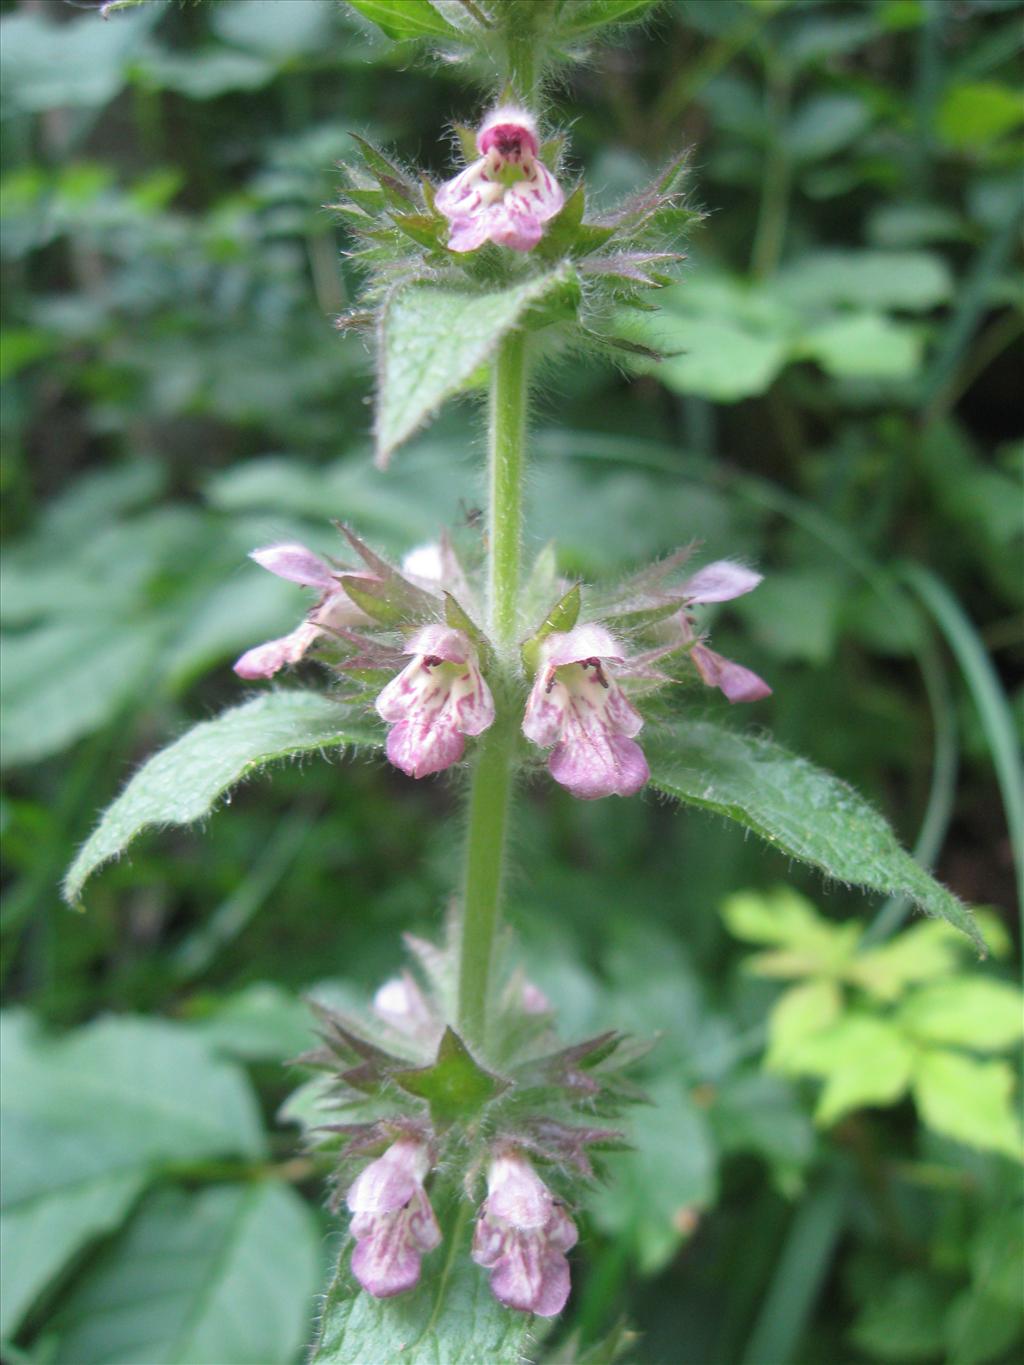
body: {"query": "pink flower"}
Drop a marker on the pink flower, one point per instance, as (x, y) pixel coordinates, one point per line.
(508, 194)
(720, 582)
(522, 1236)
(435, 701)
(334, 610)
(577, 706)
(394, 1225)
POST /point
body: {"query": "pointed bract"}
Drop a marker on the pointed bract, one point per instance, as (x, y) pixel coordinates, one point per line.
(522, 1236)
(508, 194)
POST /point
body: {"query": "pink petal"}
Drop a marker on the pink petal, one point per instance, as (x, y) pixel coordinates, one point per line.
(738, 683)
(720, 582)
(389, 1182)
(297, 564)
(455, 196)
(263, 661)
(421, 749)
(443, 642)
(517, 1194)
(467, 234)
(594, 763)
(555, 1283)
(624, 716)
(401, 695)
(518, 230)
(582, 642)
(544, 717)
(385, 1264)
(474, 712)
(540, 196)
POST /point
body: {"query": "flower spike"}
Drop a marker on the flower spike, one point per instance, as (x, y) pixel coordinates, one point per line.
(393, 1223)
(508, 194)
(334, 611)
(577, 705)
(522, 1236)
(435, 701)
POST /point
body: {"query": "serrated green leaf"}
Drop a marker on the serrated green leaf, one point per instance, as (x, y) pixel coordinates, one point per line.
(433, 339)
(221, 1276)
(402, 19)
(183, 782)
(799, 809)
(862, 1060)
(969, 1100)
(450, 1318)
(968, 1010)
(88, 1119)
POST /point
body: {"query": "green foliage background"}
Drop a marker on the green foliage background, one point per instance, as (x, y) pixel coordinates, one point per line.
(840, 405)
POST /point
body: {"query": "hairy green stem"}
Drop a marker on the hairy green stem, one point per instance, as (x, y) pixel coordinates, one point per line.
(507, 430)
(491, 788)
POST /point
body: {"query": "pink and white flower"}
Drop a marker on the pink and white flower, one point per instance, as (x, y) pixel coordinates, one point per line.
(334, 610)
(721, 582)
(577, 705)
(508, 194)
(435, 702)
(393, 1223)
(401, 1004)
(522, 1236)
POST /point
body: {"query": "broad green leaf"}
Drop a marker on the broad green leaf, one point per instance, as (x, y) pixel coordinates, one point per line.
(914, 281)
(920, 953)
(46, 64)
(583, 16)
(976, 114)
(799, 613)
(865, 346)
(87, 1120)
(38, 1236)
(862, 1060)
(401, 19)
(222, 1276)
(824, 124)
(970, 1101)
(719, 358)
(781, 916)
(903, 1319)
(802, 811)
(968, 1010)
(260, 1023)
(433, 339)
(67, 678)
(656, 1190)
(183, 782)
(279, 32)
(450, 1318)
(801, 1013)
